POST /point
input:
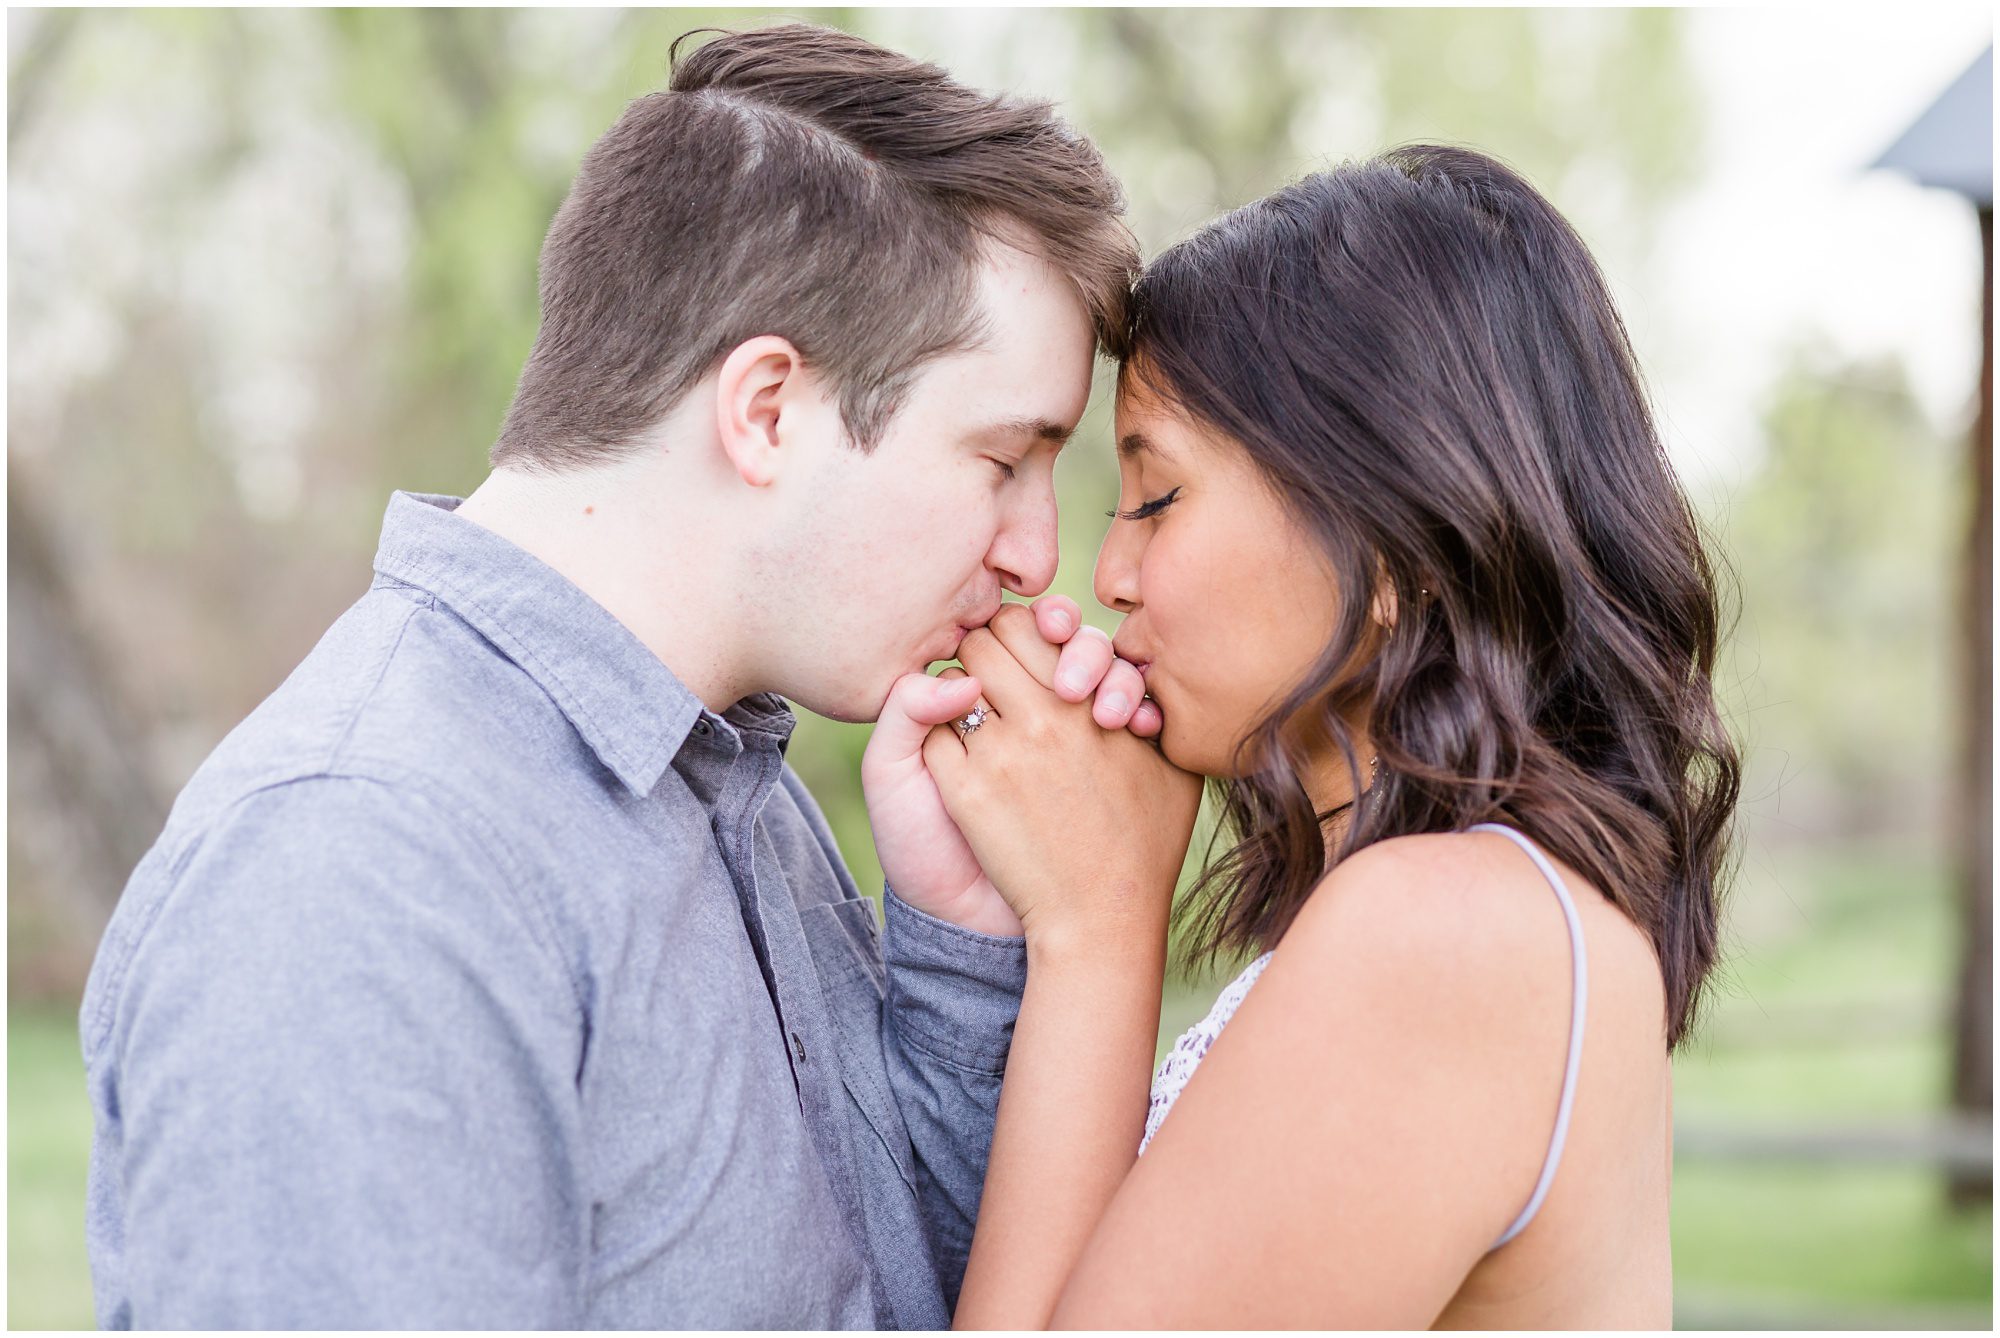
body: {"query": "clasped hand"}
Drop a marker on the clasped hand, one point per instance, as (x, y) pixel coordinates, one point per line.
(1053, 812)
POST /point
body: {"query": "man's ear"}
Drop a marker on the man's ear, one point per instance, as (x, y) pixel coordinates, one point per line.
(758, 378)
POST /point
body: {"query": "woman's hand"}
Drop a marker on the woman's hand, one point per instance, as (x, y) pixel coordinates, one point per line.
(924, 857)
(1078, 827)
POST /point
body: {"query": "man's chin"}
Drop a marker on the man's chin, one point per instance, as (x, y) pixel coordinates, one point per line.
(855, 702)
(870, 710)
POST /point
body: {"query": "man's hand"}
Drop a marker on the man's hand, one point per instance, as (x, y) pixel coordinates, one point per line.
(1083, 829)
(924, 856)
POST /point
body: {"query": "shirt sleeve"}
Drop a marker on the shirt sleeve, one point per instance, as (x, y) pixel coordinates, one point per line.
(346, 1062)
(953, 996)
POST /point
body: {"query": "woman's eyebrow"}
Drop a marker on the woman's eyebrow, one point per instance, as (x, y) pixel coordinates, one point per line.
(1134, 444)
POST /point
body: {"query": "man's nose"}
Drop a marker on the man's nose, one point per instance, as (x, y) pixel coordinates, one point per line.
(1025, 552)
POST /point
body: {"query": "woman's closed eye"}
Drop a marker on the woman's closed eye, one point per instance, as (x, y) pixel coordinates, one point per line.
(1147, 510)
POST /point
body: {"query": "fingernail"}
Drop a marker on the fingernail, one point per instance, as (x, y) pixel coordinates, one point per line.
(1060, 619)
(1072, 680)
(1116, 702)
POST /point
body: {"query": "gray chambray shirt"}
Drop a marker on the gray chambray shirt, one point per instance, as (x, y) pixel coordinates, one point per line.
(482, 978)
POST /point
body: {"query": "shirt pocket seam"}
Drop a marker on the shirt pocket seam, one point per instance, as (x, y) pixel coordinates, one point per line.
(853, 969)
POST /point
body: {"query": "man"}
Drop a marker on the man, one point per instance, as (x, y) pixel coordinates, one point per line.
(496, 971)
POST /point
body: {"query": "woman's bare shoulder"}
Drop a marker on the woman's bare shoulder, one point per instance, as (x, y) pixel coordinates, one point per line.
(1466, 922)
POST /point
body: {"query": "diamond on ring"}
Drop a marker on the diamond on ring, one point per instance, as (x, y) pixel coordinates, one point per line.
(972, 720)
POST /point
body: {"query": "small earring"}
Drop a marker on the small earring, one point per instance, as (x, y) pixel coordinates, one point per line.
(1374, 770)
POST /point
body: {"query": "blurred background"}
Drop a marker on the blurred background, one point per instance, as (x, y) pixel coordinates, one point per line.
(266, 266)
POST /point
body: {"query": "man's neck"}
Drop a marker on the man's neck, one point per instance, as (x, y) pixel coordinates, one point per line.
(612, 532)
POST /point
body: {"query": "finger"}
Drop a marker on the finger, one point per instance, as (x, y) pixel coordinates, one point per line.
(1006, 683)
(1016, 629)
(916, 703)
(944, 756)
(1147, 722)
(978, 700)
(1056, 618)
(1083, 664)
(1118, 696)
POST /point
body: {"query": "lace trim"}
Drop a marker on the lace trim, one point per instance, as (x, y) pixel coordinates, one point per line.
(1182, 1060)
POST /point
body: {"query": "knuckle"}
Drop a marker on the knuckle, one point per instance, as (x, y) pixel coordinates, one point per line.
(1094, 633)
(1010, 615)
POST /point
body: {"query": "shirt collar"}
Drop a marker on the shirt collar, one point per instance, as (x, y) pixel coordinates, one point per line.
(625, 703)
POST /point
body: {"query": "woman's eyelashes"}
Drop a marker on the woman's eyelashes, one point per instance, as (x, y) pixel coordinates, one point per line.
(1147, 510)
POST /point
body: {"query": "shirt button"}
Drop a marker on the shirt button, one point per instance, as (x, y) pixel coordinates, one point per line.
(701, 728)
(798, 1047)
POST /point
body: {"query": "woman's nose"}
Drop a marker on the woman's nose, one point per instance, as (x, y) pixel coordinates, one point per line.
(1116, 580)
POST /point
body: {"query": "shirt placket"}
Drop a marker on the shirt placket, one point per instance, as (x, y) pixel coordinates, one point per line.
(734, 821)
(769, 906)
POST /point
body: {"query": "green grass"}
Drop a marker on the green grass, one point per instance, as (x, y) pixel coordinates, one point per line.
(1828, 1011)
(1849, 1235)
(48, 1158)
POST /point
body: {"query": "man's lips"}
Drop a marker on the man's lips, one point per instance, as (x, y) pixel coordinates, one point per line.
(977, 620)
(958, 633)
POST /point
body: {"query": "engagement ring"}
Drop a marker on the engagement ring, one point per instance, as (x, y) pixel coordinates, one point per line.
(973, 720)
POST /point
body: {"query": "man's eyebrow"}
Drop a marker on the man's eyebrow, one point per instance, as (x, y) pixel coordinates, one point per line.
(1037, 429)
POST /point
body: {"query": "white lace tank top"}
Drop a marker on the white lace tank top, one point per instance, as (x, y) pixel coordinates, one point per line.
(1186, 1056)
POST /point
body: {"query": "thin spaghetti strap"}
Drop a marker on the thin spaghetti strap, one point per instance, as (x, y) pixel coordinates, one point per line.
(1578, 995)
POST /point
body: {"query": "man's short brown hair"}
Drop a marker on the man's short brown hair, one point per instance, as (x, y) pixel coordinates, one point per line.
(801, 182)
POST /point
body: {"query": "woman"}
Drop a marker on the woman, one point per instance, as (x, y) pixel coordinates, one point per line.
(1410, 579)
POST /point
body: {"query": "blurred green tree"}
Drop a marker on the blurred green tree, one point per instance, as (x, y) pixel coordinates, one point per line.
(341, 210)
(1843, 540)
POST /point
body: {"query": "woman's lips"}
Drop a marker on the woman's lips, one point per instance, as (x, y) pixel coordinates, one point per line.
(1144, 665)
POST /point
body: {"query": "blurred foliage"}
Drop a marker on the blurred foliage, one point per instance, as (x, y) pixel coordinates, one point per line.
(1844, 545)
(48, 1158)
(415, 158)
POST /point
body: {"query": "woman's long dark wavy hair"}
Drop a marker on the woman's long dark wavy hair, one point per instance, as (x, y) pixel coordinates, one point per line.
(1424, 361)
